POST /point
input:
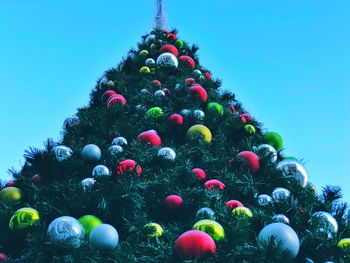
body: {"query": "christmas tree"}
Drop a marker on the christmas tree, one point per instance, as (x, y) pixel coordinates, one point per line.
(164, 166)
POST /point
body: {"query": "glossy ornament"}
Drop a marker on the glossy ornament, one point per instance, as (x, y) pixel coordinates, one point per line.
(280, 218)
(128, 165)
(24, 218)
(242, 212)
(62, 152)
(150, 138)
(199, 115)
(232, 204)
(10, 196)
(274, 139)
(215, 108)
(200, 173)
(173, 202)
(100, 170)
(293, 169)
(279, 194)
(66, 232)
(185, 113)
(285, 237)
(252, 160)
(159, 93)
(214, 184)
(324, 224)
(176, 119)
(205, 213)
(167, 59)
(212, 228)
(121, 141)
(114, 150)
(88, 183)
(169, 48)
(250, 129)
(150, 62)
(91, 153)
(344, 245)
(149, 39)
(266, 150)
(199, 130)
(145, 70)
(71, 121)
(153, 230)
(104, 237)
(195, 245)
(115, 100)
(264, 200)
(89, 222)
(144, 53)
(107, 94)
(167, 153)
(199, 92)
(155, 112)
(188, 61)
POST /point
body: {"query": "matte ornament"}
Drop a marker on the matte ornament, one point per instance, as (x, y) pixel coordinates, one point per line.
(200, 173)
(150, 138)
(199, 115)
(344, 245)
(155, 112)
(150, 62)
(167, 153)
(285, 237)
(212, 228)
(199, 130)
(121, 141)
(264, 200)
(129, 166)
(62, 152)
(153, 230)
(169, 48)
(324, 224)
(205, 213)
(266, 150)
(104, 237)
(100, 170)
(188, 61)
(280, 218)
(89, 222)
(280, 194)
(242, 212)
(145, 70)
(252, 160)
(195, 245)
(10, 196)
(168, 59)
(88, 183)
(216, 108)
(232, 204)
(24, 218)
(71, 121)
(173, 202)
(91, 153)
(114, 150)
(199, 92)
(214, 184)
(293, 169)
(66, 232)
(176, 119)
(274, 139)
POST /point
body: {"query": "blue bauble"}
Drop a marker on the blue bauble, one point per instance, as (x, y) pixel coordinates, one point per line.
(104, 237)
(284, 235)
(205, 213)
(91, 153)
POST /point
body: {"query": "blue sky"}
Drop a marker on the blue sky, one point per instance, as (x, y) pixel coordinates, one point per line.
(287, 61)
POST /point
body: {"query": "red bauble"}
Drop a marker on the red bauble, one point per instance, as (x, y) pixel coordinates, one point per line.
(243, 119)
(3, 256)
(128, 166)
(171, 36)
(9, 184)
(207, 75)
(107, 94)
(166, 31)
(156, 82)
(247, 116)
(36, 179)
(190, 80)
(188, 60)
(150, 137)
(176, 119)
(166, 90)
(200, 173)
(252, 160)
(194, 244)
(214, 183)
(116, 99)
(169, 48)
(173, 202)
(233, 109)
(232, 204)
(200, 92)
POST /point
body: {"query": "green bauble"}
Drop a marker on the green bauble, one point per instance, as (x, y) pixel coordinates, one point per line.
(153, 230)
(212, 228)
(110, 83)
(10, 196)
(274, 139)
(153, 46)
(344, 245)
(24, 218)
(144, 53)
(180, 43)
(145, 70)
(89, 222)
(216, 107)
(155, 112)
(242, 212)
(250, 129)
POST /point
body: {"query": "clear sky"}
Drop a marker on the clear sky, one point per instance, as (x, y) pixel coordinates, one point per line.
(287, 61)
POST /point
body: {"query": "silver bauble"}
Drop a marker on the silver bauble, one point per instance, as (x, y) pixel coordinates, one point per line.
(149, 39)
(88, 183)
(131, 55)
(280, 218)
(185, 113)
(324, 224)
(145, 91)
(266, 150)
(159, 93)
(199, 114)
(114, 150)
(197, 72)
(205, 213)
(178, 86)
(264, 200)
(140, 107)
(62, 152)
(71, 121)
(66, 232)
(293, 169)
(102, 81)
(280, 194)
(91, 153)
(150, 62)
(100, 170)
(121, 141)
(167, 59)
(167, 153)
(308, 260)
